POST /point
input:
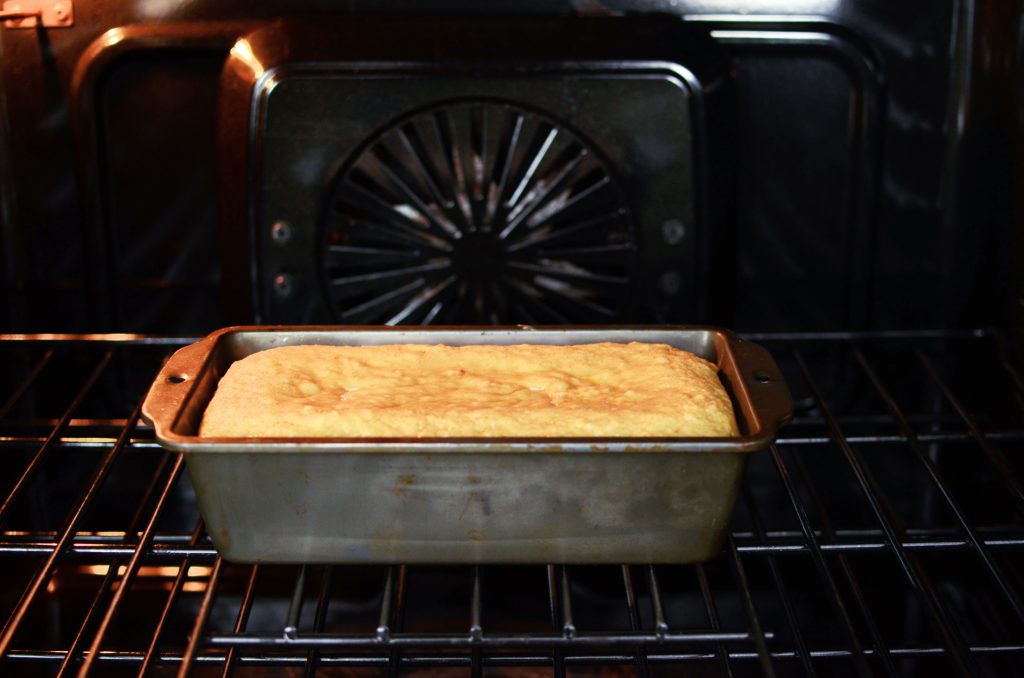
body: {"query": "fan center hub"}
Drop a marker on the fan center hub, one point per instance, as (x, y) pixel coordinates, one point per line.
(479, 256)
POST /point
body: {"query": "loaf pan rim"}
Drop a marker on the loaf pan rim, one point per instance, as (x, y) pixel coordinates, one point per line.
(165, 400)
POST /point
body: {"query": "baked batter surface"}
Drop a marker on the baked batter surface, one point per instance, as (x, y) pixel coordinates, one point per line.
(417, 390)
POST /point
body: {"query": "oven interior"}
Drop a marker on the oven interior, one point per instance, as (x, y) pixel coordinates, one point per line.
(833, 179)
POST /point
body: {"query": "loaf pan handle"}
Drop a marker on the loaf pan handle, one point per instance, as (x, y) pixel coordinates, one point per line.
(764, 387)
(175, 383)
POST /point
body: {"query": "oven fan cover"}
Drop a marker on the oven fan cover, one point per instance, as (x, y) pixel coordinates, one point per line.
(433, 193)
(477, 212)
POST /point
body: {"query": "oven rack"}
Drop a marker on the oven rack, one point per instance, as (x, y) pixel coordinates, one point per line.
(881, 535)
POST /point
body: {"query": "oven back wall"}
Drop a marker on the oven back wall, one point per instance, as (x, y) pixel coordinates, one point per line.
(854, 146)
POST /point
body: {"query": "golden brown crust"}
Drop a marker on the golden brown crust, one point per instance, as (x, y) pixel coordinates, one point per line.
(416, 390)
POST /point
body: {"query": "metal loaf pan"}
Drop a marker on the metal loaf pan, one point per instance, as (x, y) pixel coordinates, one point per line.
(462, 500)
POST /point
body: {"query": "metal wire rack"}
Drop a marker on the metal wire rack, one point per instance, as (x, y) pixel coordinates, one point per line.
(881, 535)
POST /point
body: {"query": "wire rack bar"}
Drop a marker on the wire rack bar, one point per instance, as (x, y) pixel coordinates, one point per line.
(994, 454)
(112, 339)
(173, 547)
(721, 654)
(634, 619)
(554, 606)
(476, 629)
(111, 575)
(398, 620)
(244, 609)
(916, 447)
(780, 588)
(325, 641)
(323, 600)
(658, 607)
(133, 568)
(758, 634)
(172, 598)
(43, 573)
(86, 442)
(914, 573)
(47, 445)
(284, 659)
(825, 573)
(291, 627)
(25, 384)
(196, 637)
(568, 625)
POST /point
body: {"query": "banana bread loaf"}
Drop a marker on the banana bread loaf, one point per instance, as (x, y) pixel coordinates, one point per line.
(416, 390)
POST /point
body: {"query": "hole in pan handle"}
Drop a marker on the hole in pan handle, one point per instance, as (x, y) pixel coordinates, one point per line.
(765, 386)
(173, 384)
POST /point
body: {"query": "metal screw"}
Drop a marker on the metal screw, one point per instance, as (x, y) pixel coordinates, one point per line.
(281, 232)
(670, 282)
(60, 11)
(673, 231)
(283, 285)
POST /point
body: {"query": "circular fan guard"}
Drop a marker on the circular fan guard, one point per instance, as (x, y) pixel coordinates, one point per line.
(477, 213)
